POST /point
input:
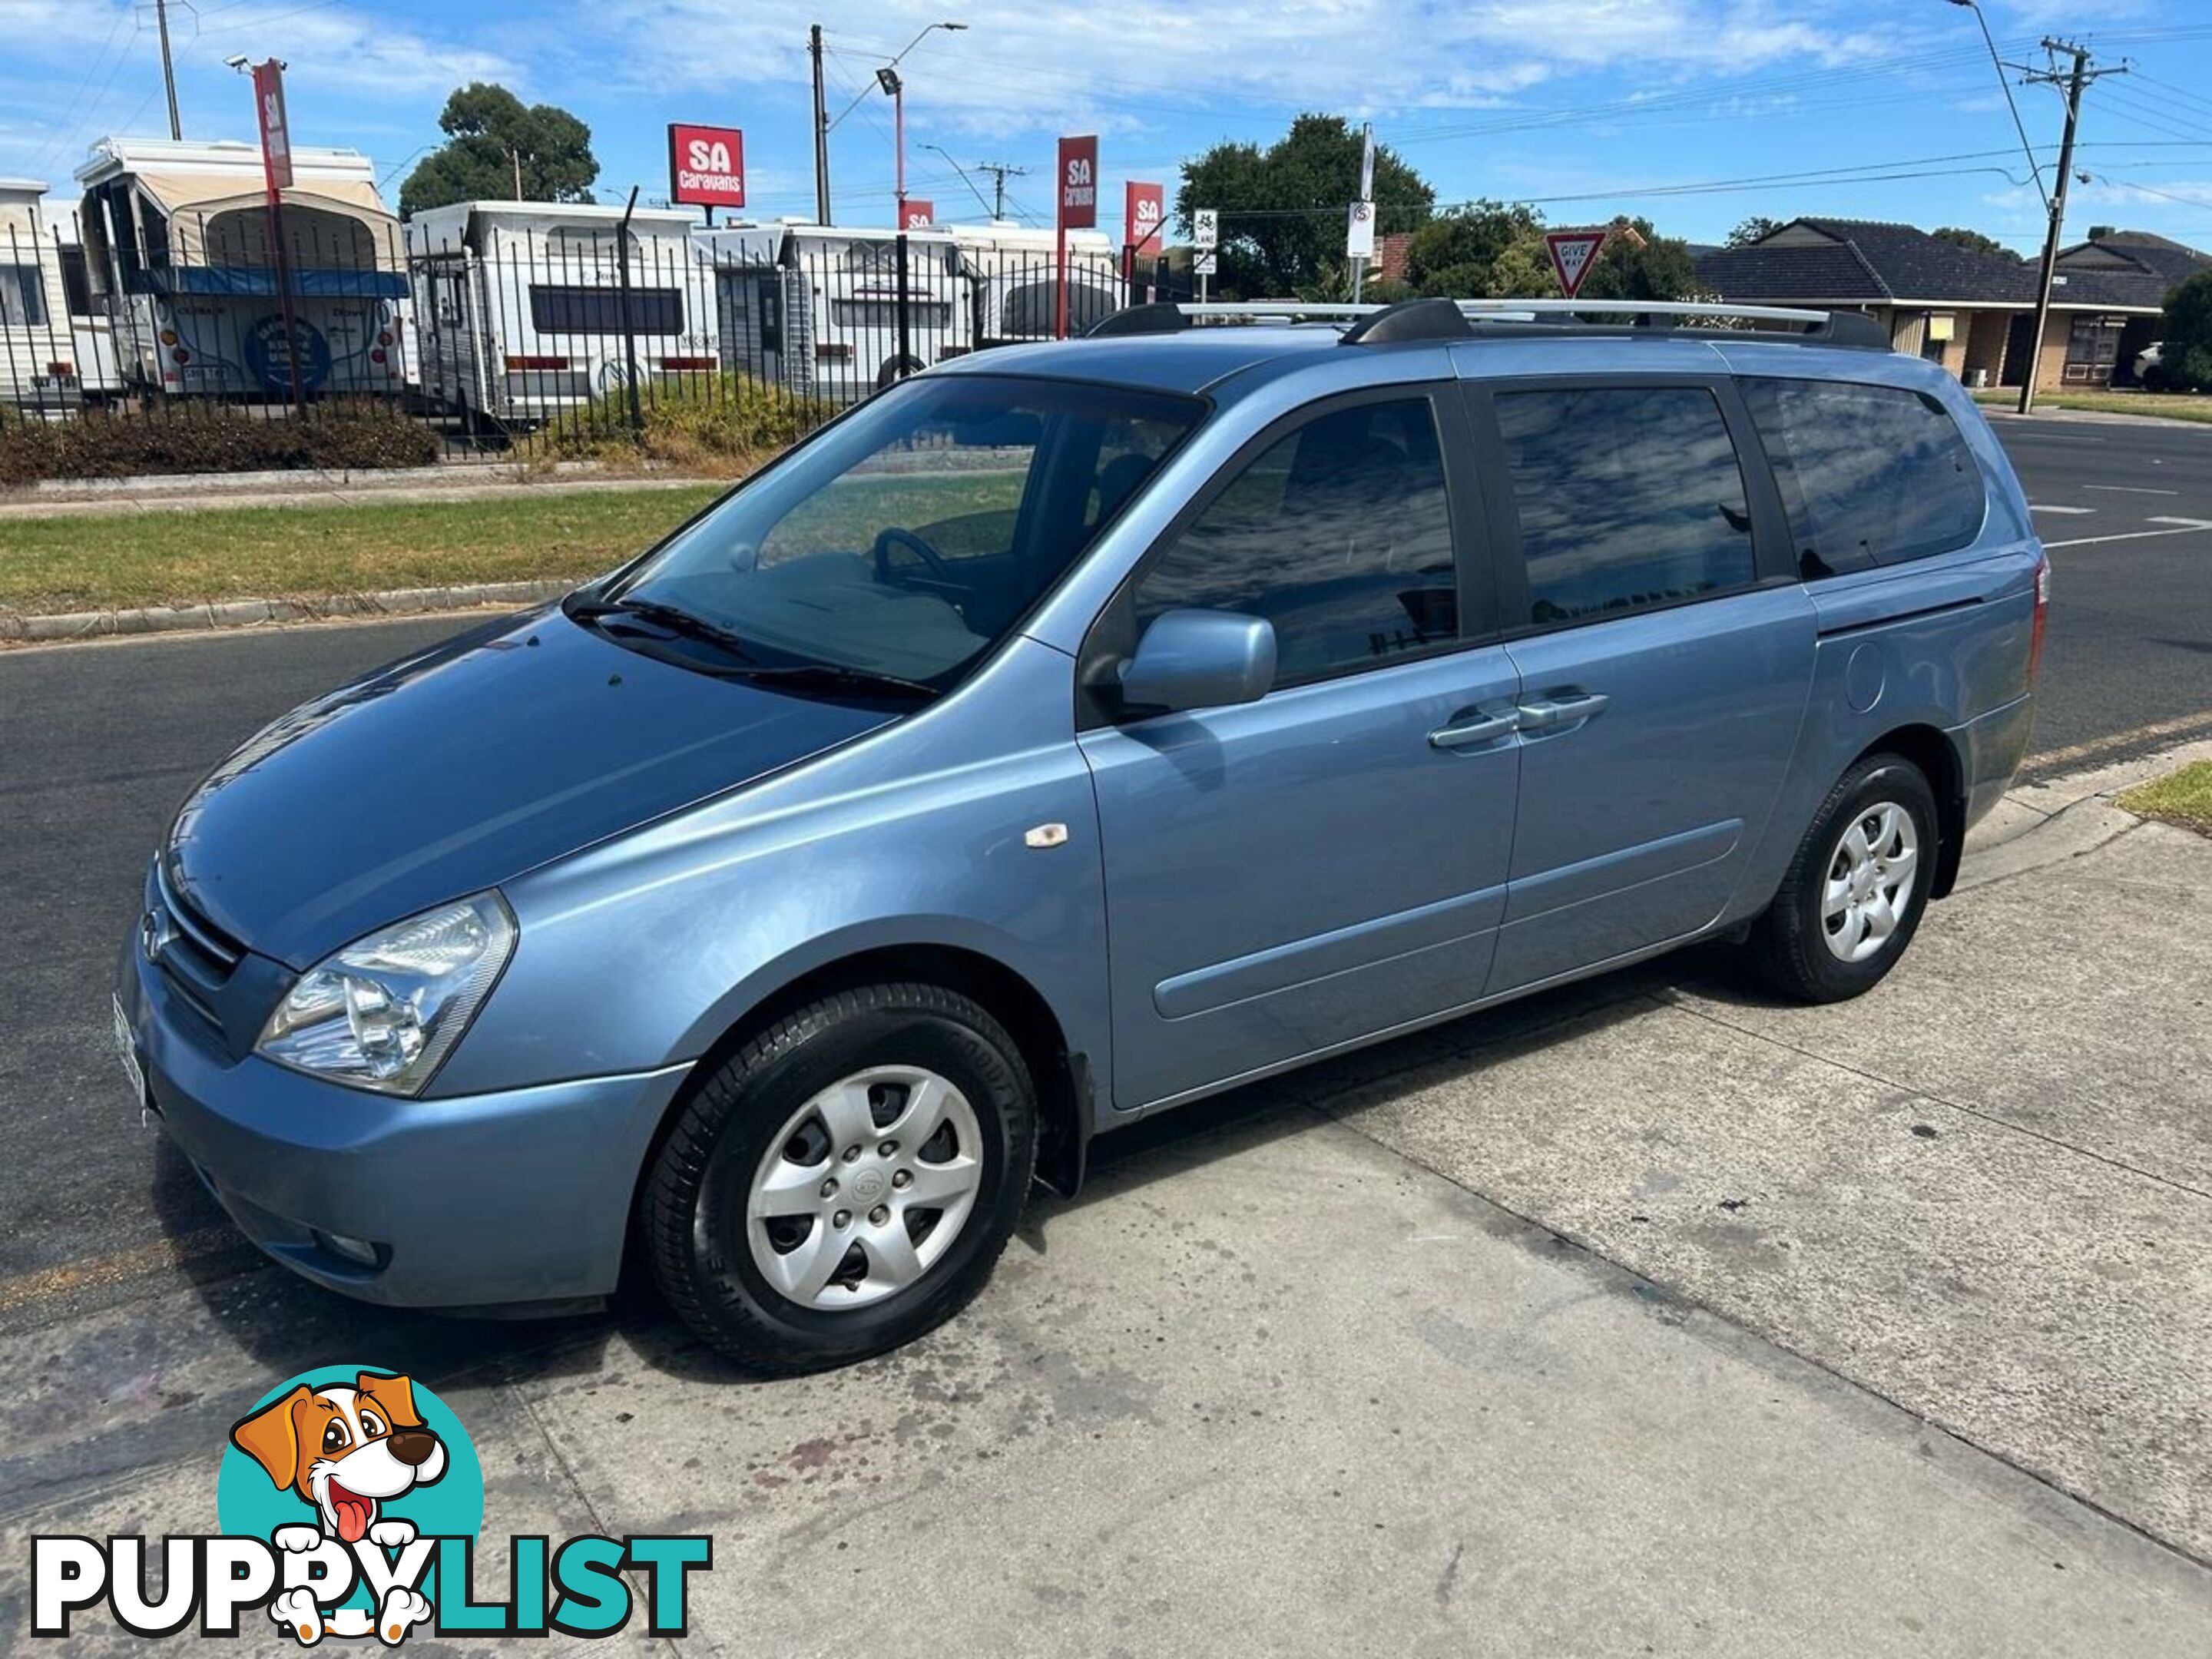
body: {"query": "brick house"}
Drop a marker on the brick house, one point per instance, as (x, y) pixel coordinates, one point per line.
(1972, 312)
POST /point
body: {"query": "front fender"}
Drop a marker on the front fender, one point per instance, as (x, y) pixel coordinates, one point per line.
(644, 950)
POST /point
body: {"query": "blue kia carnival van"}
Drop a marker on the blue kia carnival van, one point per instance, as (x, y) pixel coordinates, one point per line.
(1067, 733)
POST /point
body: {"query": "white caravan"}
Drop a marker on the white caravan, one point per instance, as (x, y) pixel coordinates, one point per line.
(522, 313)
(38, 354)
(181, 254)
(836, 307)
(1014, 270)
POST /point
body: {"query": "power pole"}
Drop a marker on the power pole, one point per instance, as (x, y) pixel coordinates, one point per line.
(2074, 80)
(168, 69)
(821, 132)
(999, 172)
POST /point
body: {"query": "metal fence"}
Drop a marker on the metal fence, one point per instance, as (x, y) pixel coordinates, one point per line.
(533, 336)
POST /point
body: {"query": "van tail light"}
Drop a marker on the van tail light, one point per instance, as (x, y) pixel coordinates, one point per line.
(521, 365)
(2042, 616)
(832, 351)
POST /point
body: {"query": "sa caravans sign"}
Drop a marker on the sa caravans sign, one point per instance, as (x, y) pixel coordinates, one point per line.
(706, 165)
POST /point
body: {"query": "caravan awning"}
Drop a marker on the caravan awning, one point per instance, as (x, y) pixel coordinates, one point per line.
(247, 281)
(213, 221)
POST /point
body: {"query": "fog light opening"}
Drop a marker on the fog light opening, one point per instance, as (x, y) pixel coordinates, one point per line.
(359, 1251)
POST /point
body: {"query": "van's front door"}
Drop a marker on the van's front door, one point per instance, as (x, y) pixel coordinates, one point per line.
(1288, 875)
(1664, 667)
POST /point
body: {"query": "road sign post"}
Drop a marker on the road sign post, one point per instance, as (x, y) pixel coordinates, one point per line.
(1359, 234)
(1079, 210)
(1205, 238)
(1574, 253)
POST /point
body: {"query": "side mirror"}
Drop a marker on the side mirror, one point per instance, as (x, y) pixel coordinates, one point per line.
(1200, 659)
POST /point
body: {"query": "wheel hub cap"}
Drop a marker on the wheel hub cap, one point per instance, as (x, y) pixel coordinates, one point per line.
(864, 1188)
(1872, 874)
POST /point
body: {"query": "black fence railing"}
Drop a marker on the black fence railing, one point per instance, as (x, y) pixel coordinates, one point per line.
(514, 337)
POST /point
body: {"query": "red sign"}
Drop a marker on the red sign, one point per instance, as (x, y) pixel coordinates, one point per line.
(1078, 182)
(918, 214)
(275, 134)
(1143, 209)
(1574, 253)
(706, 165)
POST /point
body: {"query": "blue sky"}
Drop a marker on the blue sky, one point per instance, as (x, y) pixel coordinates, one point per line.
(1588, 106)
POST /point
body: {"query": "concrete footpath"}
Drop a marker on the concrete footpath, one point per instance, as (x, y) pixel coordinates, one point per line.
(198, 492)
(1646, 1316)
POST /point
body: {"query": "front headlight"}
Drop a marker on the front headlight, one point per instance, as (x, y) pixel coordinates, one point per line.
(384, 1011)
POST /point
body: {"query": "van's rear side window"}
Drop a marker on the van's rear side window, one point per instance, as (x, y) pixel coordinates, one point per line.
(1869, 474)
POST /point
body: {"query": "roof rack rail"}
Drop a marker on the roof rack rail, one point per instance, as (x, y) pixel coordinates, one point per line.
(1411, 319)
(1458, 319)
(1161, 318)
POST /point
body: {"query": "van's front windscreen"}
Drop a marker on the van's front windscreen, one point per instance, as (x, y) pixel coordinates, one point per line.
(906, 539)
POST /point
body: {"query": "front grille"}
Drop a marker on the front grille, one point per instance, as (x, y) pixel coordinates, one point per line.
(195, 957)
(222, 950)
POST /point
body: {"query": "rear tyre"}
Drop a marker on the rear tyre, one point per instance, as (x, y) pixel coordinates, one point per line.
(845, 1180)
(1856, 889)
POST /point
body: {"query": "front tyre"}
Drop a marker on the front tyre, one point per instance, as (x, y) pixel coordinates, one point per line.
(845, 1180)
(1855, 890)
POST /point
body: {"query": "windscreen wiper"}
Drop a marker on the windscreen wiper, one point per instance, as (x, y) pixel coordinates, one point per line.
(835, 676)
(674, 618)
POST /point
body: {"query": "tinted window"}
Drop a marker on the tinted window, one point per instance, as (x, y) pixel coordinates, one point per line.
(1628, 496)
(556, 308)
(1869, 474)
(1339, 534)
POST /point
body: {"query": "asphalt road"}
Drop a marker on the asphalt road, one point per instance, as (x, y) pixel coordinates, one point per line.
(2129, 649)
(102, 741)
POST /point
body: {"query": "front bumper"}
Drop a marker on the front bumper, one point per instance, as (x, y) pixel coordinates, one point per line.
(519, 1196)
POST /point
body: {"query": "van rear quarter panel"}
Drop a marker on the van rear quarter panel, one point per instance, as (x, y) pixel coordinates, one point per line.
(1940, 642)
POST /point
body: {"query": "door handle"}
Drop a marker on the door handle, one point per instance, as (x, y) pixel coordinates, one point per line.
(1483, 728)
(1550, 714)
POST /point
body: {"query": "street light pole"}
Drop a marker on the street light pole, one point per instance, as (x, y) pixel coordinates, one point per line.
(887, 77)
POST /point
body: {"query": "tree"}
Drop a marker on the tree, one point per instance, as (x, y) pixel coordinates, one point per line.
(1757, 228)
(1456, 253)
(2184, 358)
(1974, 242)
(489, 130)
(1637, 263)
(1283, 208)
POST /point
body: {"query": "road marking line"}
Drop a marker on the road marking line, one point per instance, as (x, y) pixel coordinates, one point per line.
(2182, 527)
(2184, 726)
(116, 1265)
(2047, 507)
(2132, 489)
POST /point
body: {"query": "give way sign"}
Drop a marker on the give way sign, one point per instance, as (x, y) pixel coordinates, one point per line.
(1573, 252)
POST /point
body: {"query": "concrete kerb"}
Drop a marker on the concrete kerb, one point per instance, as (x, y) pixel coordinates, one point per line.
(2038, 824)
(244, 613)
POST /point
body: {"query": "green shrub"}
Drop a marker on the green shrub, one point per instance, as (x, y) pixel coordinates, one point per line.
(2185, 357)
(714, 421)
(211, 438)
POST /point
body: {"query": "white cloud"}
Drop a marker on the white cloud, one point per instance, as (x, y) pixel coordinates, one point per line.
(1024, 66)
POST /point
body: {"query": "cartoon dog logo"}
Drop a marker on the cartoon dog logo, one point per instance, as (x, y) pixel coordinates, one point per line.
(345, 1452)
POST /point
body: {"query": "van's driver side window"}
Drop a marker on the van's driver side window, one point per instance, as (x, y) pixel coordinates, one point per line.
(1338, 533)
